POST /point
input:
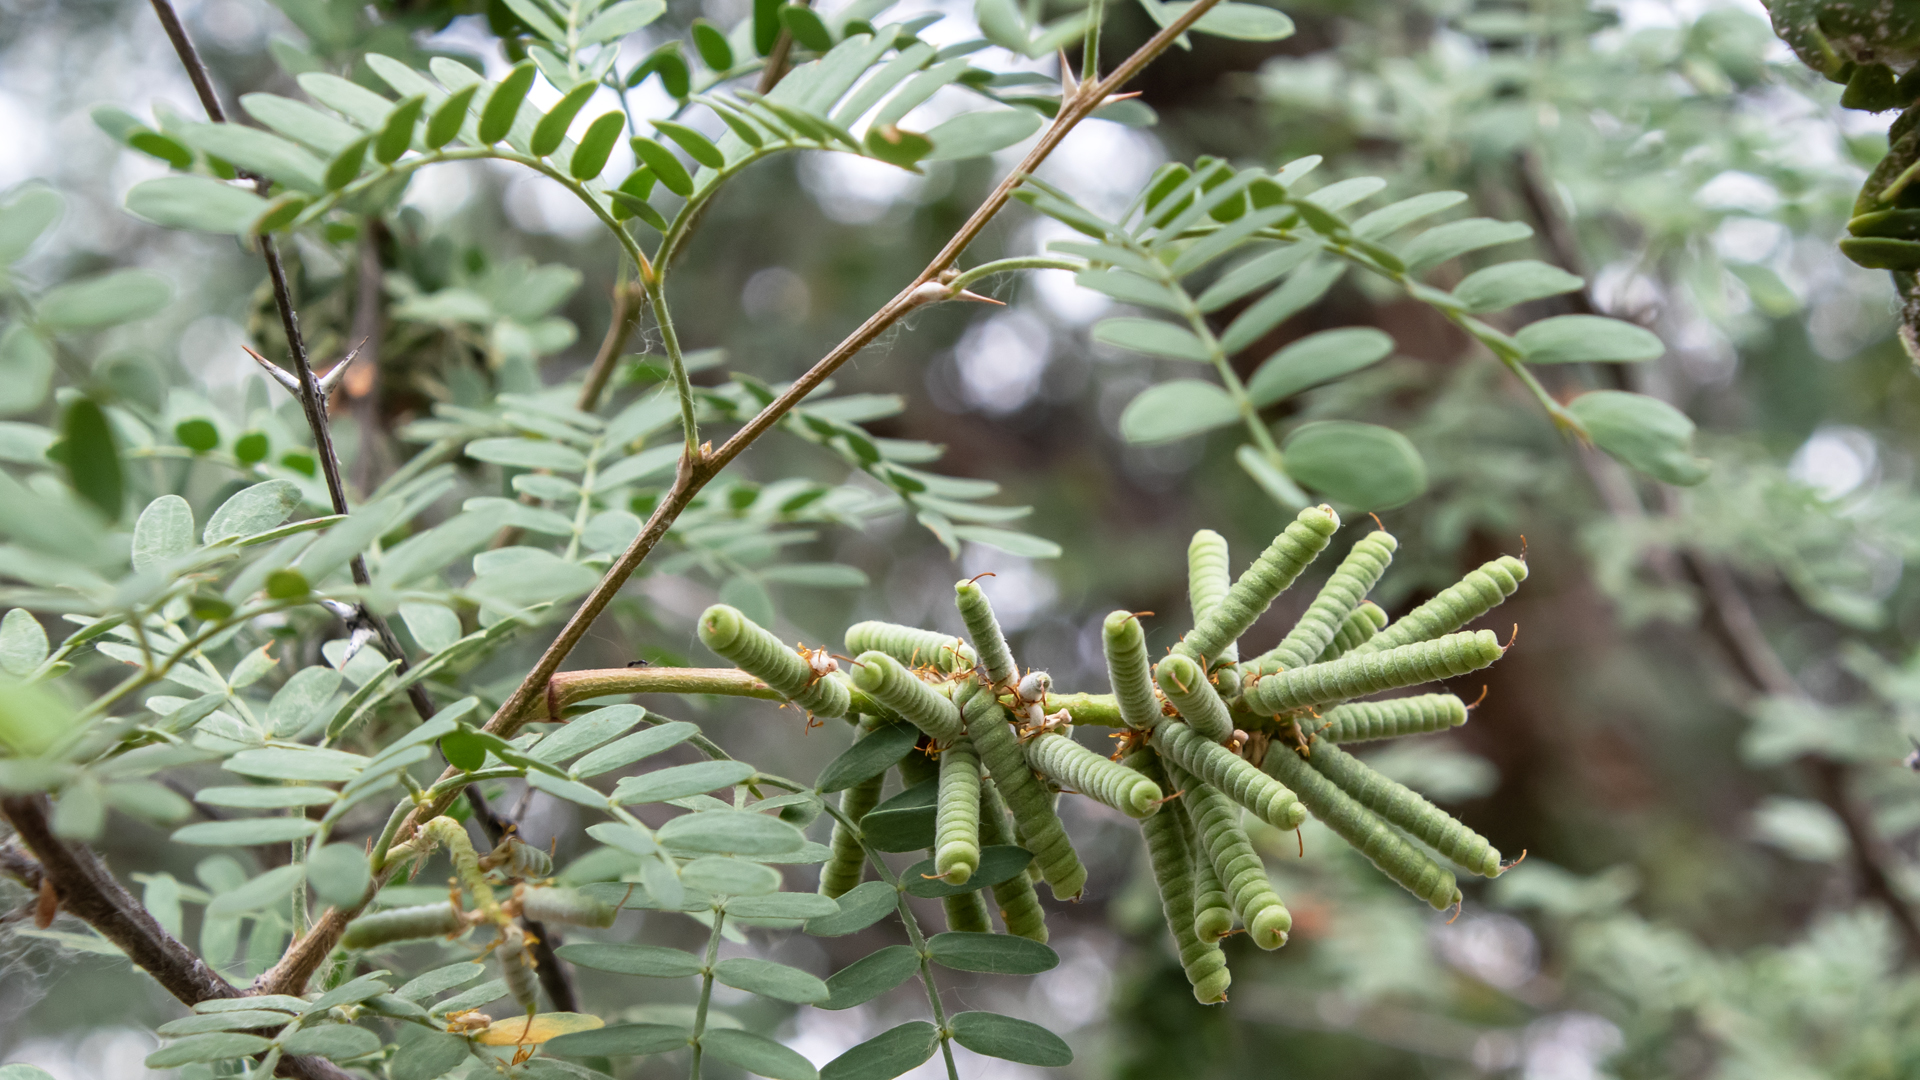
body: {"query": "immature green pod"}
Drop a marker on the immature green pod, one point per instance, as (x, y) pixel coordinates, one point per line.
(1367, 620)
(1057, 756)
(984, 630)
(967, 912)
(1267, 578)
(1212, 912)
(516, 967)
(758, 653)
(846, 864)
(956, 828)
(911, 646)
(1361, 672)
(546, 904)
(1130, 669)
(1172, 862)
(1455, 606)
(1209, 576)
(891, 684)
(1369, 835)
(1405, 807)
(1360, 721)
(1235, 776)
(1185, 684)
(1032, 805)
(401, 924)
(453, 836)
(1358, 573)
(1243, 877)
(522, 860)
(1019, 904)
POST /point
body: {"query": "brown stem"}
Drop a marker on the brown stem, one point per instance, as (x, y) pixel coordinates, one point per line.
(629, 300)
(362, 385)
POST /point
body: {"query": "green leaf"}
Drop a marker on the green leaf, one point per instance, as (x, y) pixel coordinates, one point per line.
(1302, 289)
(672, 175)
(1254, 274)
(976, 134)
(26, 370)
(292, 1006)
(1362, 466)
(903, 822)
(725, 876)
(440, 980)
(757, 1054)
(107, 300)
(1393, 217)
(264, 798)
(634, 747)
(428, 1055)
(23, 643)
(241, 832)
(859, 908)
(620, 1040)
(730, 832)
(1573, 339)
(259, 153)
(1130, 288)
(695, 144)
(1175, 410)
(300, 701)
(998, 862)
(1512, 283)
(92, 459)
(748, 593)
(712, 46)
(201, 1023)
(200, 203)
(889, 1054)
(621, 19)
(528, 454)
(1315, 359)
(339, 874)
(551, 131)
(503, 104)
(450, 116)
(1153, 337)
(337, 1042)
(1456, 238)
(871, 975)
(768, 979)
(1643, 432)
(995, 954)
(24, 218)
(583, 733)
(1339, 195)
(817, 575)
(300, 121)
(784, 905)
(164, 531)
(1025, 545)
(806, 27)
(210, 1047)
(267, 889)
(1242, 22)
(350, 993)
(1010, 1039)
(680, 781)
(252, 510)
(285, 763)
(675, 78)
(396, 136)
(433, 626)
(571, 790)
(590, 157)
(868, 757)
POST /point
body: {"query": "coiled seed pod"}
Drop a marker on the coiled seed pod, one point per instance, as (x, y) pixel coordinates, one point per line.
(956, 831)
(1069, 763)
(1019, 904)
(1185, 685)
(1267, 578)
(1456, 605)
(1032, 805)
(984, 630)
(758, 653)
(1212, 912)
(401, 924)
(967, 912)
(891, 684)
(1369, 835)
(1235, 776)
(547, 904)
(911, 646)
(1359, 572)
(524, 861)
(452, 835)
(1367, 620)
(516, 967)
(1360, 672)
(1172, 862)
(1209, 576)
(1129, 669)
(1243, 877)
(1360, 721)
(1405, 807)
(846, 864)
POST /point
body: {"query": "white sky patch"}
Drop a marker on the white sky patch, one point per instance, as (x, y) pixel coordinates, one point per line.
(1746, 239)
(1018, 589)
(441, 191)
(1001, 360)
(538, 205)
(1103, 165)
(1498, 950)
(112, 1051)
(777, 293)
(1835, 461)
(25, 136)
(1733, 190)
(1569, 1046)
(855, 190)
(212, 349)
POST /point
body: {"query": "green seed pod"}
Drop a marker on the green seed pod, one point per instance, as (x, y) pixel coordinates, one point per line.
(522, 860)
(891, 684)
(1186, 685)
(1032, 805)
(1204, 963)
(516, 967)
(1067, 762)
(846, 866)
(1129, 669)
(1362, 828)
(1243, 877)
(1212, 913)
(546, 904)
(1235, 776)
(911, 646)
(1209, 576)
(1267, 578)
(1455, 606)
(758, 653)
(984, 630)
(1361, 721)
(1361, 672)
(1367, 620)
(1405, 807)
(1357, 575)
(452, 835)
(967, 912)
(401, 924)
(1019, 904)
(956, 830)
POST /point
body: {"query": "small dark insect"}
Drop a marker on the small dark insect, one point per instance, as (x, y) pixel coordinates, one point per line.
(639, 663)
(1912, 761)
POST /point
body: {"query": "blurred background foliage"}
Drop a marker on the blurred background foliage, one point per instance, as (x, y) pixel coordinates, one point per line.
(1698, 742)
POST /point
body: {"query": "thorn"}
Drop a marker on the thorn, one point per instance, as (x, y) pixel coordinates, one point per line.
(276, 372)
(1069, 82)
(331, 379)
(969, 294)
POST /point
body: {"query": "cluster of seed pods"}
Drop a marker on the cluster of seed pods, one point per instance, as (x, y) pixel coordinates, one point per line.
(1184, 770)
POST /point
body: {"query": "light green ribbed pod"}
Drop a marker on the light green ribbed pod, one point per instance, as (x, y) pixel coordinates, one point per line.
(1019, 904)
(1058, 757)
(1267, 578)
(846, 863)
(1243, 877)
(1209, 576)
(988, 642)
(1360, 721)
(967, 912)
(516, 967)
(1367, 620)
(401, 924)
(911, 646)
(1172, 863)
(1186, 685)
(1360, 673)
(1359, 572)
(758, 653)
(1130, 670)
(889, 682)
(1364, 829)
(548, 904)
(1235, 776)
(1456, 605)
(956, 828)
(1032, 805)
(1212, 912)
(1405, 807)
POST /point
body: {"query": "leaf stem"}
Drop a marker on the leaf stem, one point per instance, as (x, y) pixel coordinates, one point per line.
(706, 992)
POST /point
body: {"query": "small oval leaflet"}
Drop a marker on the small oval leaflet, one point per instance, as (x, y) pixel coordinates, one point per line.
(870, 976)
(892, 1052)
(240, 1020)
(211, 1047)
(1315, 359)
(1010, 1039)
(730, 832)
(786, 905)
(621, 1040)
(245, 831)
(680, 781)
(730, 877)
(757, 1054)
(998, 863)
(1362, 466)
(869, 757)
(1573, 339)
(859, 908)
(768, 979)
(1644, 432)
(651, 961)
(996, 954)
(1176, 409)
(334, 1041)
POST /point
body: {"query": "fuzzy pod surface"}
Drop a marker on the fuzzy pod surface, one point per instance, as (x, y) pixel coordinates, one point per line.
(1368, 834)
(911, 646)
(1406, 808)
(846, 863)
(1038, 826)
(1185, 683)
(1212, 911)
(544, 903)
(984, 630)
(1236, 777)
(1361, 721)
(1360, 673)
(1130, 670)
(752, 649)
(1356, 576)
(956, 829)
(967, 912)
(889, 682)
(1019, 903)
(1058, 757)
(1242, 876)
(1455, 606)
(516, 967)
(1359, 628)
(1268, 577)
(1209, 576)
(1172, 863)
(401, 924)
